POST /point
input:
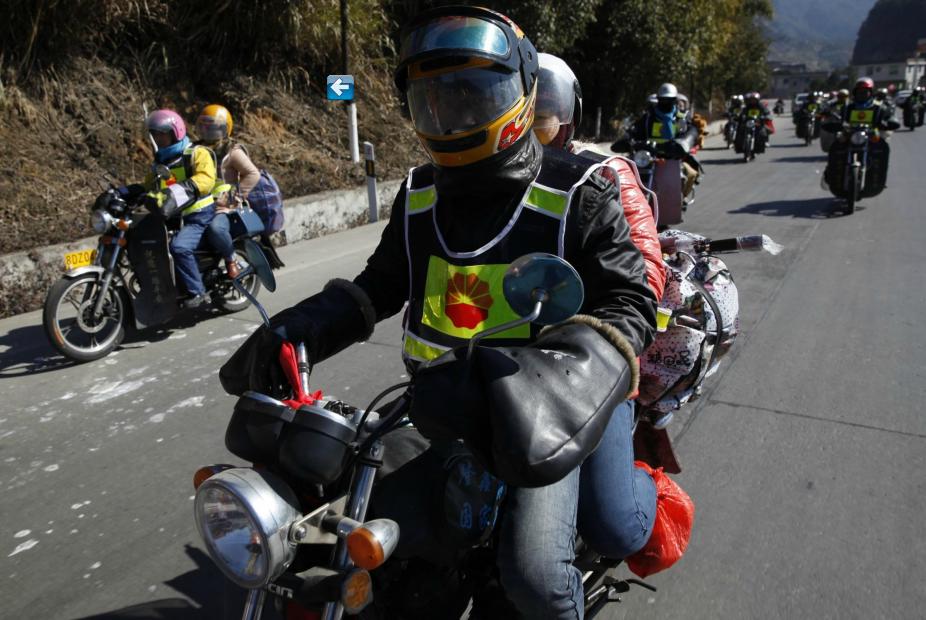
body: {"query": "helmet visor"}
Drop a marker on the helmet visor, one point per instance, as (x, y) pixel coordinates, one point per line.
(555, 97)
(456, 33)
(210, 129)
(456, 102)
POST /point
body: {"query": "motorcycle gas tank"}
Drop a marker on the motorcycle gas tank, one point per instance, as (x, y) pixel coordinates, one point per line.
(667, 183)
(149, 254)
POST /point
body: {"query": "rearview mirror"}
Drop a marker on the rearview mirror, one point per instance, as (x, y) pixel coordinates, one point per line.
(162, 172)
(541, 288)
(260, 264)
(546, 279)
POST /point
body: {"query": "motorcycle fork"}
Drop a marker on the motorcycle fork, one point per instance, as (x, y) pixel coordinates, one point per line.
(108, 274)
(358, 500)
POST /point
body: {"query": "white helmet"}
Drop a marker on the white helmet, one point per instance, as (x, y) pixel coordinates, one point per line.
(667, 91)
(667, 97)
(559, 102)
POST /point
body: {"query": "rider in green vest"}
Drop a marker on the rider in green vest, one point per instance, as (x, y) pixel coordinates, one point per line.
(491, 194)
(187, 193)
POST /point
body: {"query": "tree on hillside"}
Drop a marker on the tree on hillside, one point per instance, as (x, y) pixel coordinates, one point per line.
(552, 25)
(890, 32)
(634, 45)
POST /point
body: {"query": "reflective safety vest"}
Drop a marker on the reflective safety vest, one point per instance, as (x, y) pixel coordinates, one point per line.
(455, 295)
(182, 169)
(655, 132)
(862, 116)
(753, 112)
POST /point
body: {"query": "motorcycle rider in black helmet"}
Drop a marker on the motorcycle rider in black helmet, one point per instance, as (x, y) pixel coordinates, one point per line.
(491, 194)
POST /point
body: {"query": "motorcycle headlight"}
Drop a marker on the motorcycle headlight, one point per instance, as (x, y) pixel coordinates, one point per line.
(101, 221)
(859, 138)
(243, 517)
(750, 123)
(643, 159)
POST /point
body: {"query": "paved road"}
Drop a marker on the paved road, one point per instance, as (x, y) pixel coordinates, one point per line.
(805, 460)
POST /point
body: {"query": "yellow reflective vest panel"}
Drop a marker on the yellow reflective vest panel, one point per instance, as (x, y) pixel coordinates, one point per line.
(198, 165)
(454, 296)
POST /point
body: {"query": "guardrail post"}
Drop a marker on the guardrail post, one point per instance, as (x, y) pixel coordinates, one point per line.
(372, 196)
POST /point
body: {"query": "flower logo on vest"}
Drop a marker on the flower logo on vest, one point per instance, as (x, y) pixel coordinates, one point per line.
(468, 300)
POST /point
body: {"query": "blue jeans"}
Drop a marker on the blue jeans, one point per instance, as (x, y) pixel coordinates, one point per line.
(219, 236)
(614, 504)
(183, 246)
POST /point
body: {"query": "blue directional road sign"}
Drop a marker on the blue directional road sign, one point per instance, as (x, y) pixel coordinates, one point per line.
(340, 87)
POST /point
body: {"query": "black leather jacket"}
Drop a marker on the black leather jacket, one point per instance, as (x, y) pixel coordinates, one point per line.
(598, 240)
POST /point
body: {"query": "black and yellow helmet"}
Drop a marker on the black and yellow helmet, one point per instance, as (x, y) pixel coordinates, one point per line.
(469, 75)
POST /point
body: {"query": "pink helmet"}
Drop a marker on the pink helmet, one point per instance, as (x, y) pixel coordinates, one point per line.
(166, 121)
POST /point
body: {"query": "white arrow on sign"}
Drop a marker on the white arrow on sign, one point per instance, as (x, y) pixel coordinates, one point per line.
(339, 87)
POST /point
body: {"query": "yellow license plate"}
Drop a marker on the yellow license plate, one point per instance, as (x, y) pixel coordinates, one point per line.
(82, 258)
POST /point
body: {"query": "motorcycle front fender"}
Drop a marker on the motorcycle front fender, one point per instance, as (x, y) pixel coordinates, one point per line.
(76, 273)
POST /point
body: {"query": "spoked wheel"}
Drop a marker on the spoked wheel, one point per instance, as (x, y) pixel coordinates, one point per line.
(70, 322)
(229, 299)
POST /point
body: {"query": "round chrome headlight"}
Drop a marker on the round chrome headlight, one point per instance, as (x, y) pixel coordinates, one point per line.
(643, 159)
(859, 138)
(244, 516)
(101, 221)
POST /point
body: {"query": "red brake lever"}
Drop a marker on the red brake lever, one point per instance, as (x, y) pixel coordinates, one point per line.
(290, 366)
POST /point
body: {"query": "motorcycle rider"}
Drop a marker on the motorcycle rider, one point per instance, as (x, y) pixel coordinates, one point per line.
(735, 106)
(916, 103)
(832, 111)
(663, 124)
(863, 110)
(807, 113)
(837, 107)
(883, 98)
(491, 194)
(188, 192)
(235, 171)
(754, 109)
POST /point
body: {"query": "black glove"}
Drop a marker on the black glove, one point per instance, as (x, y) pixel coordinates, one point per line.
(532, 414)
(327, 323)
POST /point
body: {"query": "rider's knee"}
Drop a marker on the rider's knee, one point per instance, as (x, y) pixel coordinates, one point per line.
(543, 589)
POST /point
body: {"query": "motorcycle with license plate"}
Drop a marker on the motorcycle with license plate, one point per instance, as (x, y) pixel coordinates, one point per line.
(295, 525)
(128, 280)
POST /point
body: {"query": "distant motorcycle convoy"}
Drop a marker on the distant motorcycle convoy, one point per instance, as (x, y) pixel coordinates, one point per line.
(295, 526)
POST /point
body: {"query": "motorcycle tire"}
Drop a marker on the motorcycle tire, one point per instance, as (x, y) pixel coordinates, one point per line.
(853, 195)
(226, 297)
(85, 346)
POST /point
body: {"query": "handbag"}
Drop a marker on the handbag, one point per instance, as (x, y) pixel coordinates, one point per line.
(244, 222)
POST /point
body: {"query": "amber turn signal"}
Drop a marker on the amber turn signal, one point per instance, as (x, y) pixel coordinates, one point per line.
(371, 544)
(364, 549)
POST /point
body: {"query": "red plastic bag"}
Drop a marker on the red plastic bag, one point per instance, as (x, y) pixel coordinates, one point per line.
(770, 124)
(671, 530)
